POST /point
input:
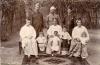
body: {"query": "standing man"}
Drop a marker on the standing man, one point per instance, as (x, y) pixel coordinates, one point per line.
(37, 19)
(69, 20)
(52, 15)
(29, 45)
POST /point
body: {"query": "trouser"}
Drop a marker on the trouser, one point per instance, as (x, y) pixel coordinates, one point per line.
(65, 44)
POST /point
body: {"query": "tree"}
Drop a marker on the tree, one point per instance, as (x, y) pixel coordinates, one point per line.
(7, 18)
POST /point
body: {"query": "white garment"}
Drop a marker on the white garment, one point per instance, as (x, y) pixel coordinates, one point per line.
(66, 35)
(28, 35)
(77, 33)
(53, 28)
(41, 40)
(55, 42)
(42, 47)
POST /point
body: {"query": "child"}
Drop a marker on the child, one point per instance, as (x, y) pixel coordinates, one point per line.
(41, 41)
(84, 38)
(55, 44)
(65, 40)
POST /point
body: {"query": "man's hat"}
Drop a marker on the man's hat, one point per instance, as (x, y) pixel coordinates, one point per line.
(37, 4)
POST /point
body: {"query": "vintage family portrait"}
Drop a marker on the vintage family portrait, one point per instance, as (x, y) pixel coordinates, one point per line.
(50, 32)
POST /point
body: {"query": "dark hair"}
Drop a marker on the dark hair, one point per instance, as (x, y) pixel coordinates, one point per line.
(55, 31)
(64, 26)
(79, 19)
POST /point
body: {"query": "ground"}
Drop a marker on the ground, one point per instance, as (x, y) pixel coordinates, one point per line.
(94, 47)
(10, 54)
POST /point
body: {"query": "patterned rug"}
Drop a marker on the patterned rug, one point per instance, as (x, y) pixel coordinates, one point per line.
(58, 60)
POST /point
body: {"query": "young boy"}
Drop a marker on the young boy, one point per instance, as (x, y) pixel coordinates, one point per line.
(41, 41)
(65, 40)
(55, 44)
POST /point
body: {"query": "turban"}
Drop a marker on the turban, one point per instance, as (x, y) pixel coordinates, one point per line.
(52, 7)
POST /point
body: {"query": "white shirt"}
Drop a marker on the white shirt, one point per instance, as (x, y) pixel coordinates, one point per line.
(65, 35)
(77, 32)
(27, 31)
(41, 40)
(55, 43)
(53, 28)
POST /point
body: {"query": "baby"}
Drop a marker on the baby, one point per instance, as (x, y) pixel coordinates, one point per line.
(84, 38)
(55, 44)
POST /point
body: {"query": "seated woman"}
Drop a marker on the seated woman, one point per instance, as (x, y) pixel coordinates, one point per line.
(80, 37)
(29, 45)
(54, 27)
(50, 32)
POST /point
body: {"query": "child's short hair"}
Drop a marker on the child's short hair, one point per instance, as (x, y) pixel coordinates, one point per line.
(84, 34)
(79, 19)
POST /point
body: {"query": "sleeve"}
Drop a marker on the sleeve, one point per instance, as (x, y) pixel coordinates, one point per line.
(60, 31)
(34, 33)
(22, 36)
(69, 37)
(22, 33)
(49, 31)
(74, 33)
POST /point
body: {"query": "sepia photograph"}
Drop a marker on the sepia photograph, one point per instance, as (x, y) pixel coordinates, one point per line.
(49, 32)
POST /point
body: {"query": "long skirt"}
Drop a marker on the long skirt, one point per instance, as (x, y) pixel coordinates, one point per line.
(30, 47)
(77, 49)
